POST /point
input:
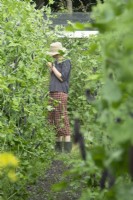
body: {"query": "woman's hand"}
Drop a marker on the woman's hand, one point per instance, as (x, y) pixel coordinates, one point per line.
(50, 65)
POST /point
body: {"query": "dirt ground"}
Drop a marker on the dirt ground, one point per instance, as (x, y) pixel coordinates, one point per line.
(42, 189)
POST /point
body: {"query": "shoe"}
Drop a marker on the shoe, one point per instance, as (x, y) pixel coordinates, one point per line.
(67, 147)
(59, 146)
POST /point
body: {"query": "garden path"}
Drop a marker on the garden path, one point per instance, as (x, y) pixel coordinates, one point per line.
(42, 189)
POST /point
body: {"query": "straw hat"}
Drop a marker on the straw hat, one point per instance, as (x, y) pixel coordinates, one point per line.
(55, 48)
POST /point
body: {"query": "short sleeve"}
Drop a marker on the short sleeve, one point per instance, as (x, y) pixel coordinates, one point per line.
(66, 68)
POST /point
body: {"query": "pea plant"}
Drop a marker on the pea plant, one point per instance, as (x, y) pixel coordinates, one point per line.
(24, 131)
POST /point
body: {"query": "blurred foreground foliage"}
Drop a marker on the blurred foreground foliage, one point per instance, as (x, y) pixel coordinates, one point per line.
(104, 71)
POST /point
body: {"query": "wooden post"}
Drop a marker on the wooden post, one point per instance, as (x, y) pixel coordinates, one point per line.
(69, 6)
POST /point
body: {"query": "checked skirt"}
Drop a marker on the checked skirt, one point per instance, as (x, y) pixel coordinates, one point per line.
(58, 116)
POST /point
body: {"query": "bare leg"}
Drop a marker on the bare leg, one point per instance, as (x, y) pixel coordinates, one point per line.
(67, 138)
(59, 139)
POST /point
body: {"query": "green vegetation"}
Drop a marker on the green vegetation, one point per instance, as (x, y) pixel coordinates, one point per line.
(108, 168)
(100, 98)
(23, 93)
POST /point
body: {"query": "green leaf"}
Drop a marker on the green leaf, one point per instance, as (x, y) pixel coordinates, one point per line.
(50, 108)
(111, 91)
(59, 186)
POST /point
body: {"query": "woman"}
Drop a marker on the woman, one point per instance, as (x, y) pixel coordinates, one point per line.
(58, 93)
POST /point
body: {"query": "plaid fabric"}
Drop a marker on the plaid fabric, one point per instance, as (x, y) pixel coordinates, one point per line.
(58, 116)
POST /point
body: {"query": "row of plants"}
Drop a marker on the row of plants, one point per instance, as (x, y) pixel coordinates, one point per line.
(26, 140)
(106, 120)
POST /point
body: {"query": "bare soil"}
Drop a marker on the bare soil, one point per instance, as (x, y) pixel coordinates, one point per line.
(42, 190)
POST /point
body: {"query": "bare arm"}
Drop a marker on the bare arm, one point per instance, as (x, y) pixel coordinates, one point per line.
(55, 71)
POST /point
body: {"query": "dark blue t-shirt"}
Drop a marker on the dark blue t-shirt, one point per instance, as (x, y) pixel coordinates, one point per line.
(55, 84)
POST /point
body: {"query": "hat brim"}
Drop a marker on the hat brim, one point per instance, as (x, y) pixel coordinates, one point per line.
(52, 53)
(57, 53)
